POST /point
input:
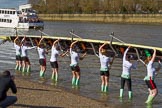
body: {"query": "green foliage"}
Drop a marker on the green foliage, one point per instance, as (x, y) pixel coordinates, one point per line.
(96, 6)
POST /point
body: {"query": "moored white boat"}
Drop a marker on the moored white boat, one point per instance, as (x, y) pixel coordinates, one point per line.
(24, 18)
(8, 18)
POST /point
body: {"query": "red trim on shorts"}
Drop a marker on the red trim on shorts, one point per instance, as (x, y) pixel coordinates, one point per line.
(152, 83)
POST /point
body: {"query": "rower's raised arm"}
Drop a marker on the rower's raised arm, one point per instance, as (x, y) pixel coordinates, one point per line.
(23, 39)
(55, 42)
(125, 53)
(102, 46)
(154, 55)
(16, 39)
(40, 41)
(36, 41)
(71, 46)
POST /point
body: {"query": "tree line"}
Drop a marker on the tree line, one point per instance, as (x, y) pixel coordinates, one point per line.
(96, 6)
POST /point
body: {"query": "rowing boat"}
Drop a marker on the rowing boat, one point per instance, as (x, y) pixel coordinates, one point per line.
(91, 46)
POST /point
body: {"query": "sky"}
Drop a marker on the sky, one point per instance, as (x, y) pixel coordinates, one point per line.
(12, 3)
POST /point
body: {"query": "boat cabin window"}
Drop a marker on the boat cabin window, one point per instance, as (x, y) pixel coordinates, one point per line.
(23, 10)
(6, 12)
(2, 11)
(19, 12)
(6, 20)
(10, 12)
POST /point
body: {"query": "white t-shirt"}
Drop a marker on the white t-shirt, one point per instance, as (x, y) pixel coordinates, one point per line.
(54, 54)
(127, 66)
(41, 52)
(74, 57)
(18, 49)
(150, 69)
(24, 49)
(104, 61)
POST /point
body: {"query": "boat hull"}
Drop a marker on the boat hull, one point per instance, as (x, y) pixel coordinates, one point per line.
(91, 46)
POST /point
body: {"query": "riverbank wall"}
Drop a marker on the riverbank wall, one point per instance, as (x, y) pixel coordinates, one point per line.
(106, 18)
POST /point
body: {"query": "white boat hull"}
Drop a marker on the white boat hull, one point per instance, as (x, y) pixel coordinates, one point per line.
(8, 25)
(30, 25)
(22, 25)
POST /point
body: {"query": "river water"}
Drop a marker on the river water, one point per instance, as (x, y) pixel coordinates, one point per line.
(90, 78)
